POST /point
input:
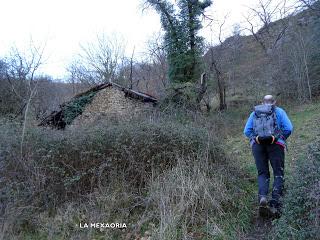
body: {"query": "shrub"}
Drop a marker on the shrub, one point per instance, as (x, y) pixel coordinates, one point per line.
(145, 162)
(301, 216)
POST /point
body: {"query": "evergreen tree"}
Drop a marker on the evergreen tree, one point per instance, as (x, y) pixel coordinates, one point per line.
(184, 47)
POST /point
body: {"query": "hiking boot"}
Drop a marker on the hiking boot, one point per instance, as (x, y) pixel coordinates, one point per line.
(275, 212)
(263, 207)
(263, 201)
(275, 208)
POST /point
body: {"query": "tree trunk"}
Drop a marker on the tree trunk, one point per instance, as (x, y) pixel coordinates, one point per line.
(221, 87)
(203, 89)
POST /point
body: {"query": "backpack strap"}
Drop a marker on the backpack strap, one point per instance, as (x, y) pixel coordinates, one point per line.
(276, 127)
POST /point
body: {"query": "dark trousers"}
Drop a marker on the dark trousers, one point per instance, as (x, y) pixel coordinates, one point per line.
(262, 155)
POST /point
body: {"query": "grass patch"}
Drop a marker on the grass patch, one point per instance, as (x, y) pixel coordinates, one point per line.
(301, 210)
(306, 130)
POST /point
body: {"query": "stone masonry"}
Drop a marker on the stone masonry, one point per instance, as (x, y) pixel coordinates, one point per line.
(112, 103)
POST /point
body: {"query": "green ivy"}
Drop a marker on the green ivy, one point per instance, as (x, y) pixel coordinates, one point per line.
(75, 107)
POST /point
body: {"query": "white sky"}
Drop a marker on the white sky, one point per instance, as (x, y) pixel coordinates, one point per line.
(64, 24)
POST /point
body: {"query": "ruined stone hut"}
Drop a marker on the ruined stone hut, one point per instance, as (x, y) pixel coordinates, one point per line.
(105, 100)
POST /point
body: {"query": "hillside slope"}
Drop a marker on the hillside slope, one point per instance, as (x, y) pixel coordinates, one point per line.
(306, 131)
(287, 68)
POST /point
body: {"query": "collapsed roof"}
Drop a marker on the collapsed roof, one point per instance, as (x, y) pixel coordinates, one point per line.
(59, 120)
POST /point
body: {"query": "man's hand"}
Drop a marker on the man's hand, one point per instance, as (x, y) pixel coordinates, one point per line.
(265, 140)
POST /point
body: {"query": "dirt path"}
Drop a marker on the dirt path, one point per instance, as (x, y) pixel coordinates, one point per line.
(260, 229)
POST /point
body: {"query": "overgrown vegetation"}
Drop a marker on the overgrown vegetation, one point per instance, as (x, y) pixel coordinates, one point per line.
(301, 216)
(74, 108)
(183, 46)
(170, 176)
(173, 176)
(178, 173)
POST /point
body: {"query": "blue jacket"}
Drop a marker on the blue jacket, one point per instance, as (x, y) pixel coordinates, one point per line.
(283, 123)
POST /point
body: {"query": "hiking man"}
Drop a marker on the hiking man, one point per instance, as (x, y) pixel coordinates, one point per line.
(268, 128)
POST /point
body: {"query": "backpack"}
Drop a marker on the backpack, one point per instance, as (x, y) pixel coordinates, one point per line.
(265, 121)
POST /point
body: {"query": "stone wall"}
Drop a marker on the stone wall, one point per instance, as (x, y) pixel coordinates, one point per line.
(111, 103)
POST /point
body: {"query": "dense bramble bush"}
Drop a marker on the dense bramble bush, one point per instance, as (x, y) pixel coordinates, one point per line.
(146, 162)
(301, 217)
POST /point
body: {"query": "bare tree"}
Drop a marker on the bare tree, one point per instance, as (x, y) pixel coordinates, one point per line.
(131, 69)
(298, 55)
(149, 72)
(158, 58)
(202, 91)
(305, 63)
(98, 62)
(20, 74)
(81, 73)
(215, 64)
(314, 5)
(260, 19)
(214, 67)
